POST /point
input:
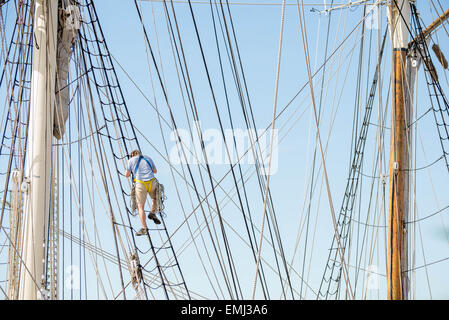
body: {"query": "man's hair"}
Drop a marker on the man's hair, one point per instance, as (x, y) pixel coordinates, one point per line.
(135, 153)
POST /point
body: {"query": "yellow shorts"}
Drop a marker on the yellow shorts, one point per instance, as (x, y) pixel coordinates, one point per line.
(144, 187)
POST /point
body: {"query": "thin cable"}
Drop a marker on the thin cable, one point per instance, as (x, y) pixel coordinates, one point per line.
(305, 45)
(271, 148)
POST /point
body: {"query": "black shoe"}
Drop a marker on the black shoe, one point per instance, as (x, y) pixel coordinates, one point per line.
(142, 231)
(153, 217)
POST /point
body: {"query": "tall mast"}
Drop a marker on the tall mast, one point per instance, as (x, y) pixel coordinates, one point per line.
(39, 156)
(399, 20)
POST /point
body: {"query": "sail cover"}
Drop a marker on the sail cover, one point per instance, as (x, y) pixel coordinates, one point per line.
(68, 28)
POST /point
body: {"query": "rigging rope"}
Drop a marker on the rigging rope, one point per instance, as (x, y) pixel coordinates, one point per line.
(305, 45)
(99, 64)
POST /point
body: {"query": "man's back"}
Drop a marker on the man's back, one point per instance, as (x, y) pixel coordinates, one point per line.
(145, 170)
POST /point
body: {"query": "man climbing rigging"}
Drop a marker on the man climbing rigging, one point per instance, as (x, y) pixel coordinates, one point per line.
(143, 170)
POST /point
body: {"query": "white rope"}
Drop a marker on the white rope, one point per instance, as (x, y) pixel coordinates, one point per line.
(271, 149)
(305, 45)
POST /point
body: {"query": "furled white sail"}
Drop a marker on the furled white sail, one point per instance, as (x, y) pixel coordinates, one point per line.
(68, 28)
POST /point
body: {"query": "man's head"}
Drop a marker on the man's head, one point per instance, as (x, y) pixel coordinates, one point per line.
(135, 153)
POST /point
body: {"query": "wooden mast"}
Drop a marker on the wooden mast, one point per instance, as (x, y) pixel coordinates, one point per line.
(399, 17)
(38, 165)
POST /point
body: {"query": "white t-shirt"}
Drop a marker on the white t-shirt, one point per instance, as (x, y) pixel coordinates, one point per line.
(145, 171)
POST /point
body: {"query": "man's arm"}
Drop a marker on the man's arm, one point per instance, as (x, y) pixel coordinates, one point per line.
(128, 169)
(152, 164)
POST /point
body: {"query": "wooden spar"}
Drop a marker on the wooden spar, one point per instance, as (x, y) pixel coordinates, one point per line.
(426, 32)
(399, 11)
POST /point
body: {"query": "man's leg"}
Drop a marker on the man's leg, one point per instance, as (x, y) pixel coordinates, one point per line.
(141, 196)
(153, 194)
(142, 217)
